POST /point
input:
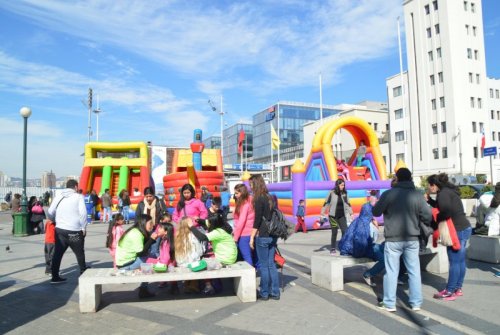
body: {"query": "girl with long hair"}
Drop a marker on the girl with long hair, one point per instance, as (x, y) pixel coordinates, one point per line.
(189, 206)
(450, 206)
(339, 211)
(244, 217)
(262, 241)
(188, 249)
(133, 248)
(115, 232)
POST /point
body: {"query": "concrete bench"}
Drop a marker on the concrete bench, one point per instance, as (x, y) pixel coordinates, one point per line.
(484, 248)
(91, 281)
(328, 271)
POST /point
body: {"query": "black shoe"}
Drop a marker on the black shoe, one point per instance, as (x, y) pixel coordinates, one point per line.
(58, 280)
(87, 267)
(274, 297)
(263, 298)
(144, 293)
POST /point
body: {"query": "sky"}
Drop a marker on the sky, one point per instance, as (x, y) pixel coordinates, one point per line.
(153, 66)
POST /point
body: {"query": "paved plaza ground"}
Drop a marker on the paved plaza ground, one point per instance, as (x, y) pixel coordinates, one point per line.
(30, 305)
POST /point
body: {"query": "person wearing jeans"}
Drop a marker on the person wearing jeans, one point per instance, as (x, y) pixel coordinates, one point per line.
(403, 207)
(450, 207)
(266, 248)
(244, 217)
(262, 241)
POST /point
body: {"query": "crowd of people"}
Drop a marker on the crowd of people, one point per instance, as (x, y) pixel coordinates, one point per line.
(198, 229)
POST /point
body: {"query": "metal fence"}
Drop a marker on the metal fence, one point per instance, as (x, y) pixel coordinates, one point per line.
(30, 191)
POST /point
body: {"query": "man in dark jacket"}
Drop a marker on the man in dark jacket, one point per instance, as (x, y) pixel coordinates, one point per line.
(404, 208)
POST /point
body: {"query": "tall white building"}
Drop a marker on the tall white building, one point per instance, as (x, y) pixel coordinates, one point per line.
(441, 105)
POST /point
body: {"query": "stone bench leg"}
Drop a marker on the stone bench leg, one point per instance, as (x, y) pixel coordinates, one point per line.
(439, 261)
(90, 297)
(327, 274)
(246, 287)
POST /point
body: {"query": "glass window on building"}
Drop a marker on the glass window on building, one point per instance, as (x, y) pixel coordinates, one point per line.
(431, 57)
(435, 5)
(478, 78)
(472, 7)
(429, 33)
(467, 29)
(398, 114)
(435, 153)
(434, 128)
(471, 80)
(479, 103)
(432, 79)
(444, 152)
(472, 102)
(498, 115)
(474, 149)
(496, 94)
(400, 157)
(440, 77)
(441, 102)
(466, 5)
(469, 53)
(474, 127)
(399, 136)
(493, 136)
(436, 28)
(476, 54)
(438, 52)
(492, 114)
(474, 29)
(427, 10)
(433, 104)
(443, 127)
(397, 91)
(491, 93)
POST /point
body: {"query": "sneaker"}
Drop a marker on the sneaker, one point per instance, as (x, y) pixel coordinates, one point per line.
(382, 306)
(459, 292)
(497, 274)
(263, 298)
(333, 252)
(416, 308)
(445, 295)
(58, 280)
(368, 281)
(274, 297)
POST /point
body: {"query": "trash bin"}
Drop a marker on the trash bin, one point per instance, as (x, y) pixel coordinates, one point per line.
(20, 224)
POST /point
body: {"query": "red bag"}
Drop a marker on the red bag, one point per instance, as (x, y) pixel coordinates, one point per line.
(451, 227)
(278, 259)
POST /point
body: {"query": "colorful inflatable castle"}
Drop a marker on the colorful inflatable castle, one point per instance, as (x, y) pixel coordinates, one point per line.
(313, 180)
(198, 167)
(116, 166)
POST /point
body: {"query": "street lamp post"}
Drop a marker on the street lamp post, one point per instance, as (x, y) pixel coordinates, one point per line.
(221, 113)
(21, 219)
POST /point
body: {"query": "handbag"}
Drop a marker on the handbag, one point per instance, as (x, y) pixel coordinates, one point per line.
(37, 209)
(444, 234)
(279, 259)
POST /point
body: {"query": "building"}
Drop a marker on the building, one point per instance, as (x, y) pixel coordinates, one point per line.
(443, 105)
(3, 179)
(288, 119)
(231, 141)
(343, 145)
(48, 179)
(212, 142)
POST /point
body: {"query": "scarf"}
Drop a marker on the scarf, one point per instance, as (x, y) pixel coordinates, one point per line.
(151, 208)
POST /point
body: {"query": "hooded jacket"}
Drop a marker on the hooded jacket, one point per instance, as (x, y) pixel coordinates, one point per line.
(403, 207)
(68, 211)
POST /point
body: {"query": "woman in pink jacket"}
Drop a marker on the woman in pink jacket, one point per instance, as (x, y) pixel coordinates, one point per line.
(244, 216)
(189, 206)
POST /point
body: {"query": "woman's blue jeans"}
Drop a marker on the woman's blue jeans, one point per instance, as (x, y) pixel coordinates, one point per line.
(456, 273)
(125, 213)
(266, 247)
(246, 252)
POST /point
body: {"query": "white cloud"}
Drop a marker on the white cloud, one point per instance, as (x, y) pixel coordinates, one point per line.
(289, 41)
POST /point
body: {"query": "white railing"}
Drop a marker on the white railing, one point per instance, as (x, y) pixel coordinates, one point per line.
(30, 191)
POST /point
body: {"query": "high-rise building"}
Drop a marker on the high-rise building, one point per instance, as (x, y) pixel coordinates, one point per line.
(231, 140)
(444, 105)
(48, 179)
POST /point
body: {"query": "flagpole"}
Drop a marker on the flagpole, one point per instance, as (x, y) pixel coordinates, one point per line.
(241, 158)
(403, 93)
(278, 162)
(272, 167)
(320, 99)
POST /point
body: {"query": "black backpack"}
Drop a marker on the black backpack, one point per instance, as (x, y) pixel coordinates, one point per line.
(278, 225)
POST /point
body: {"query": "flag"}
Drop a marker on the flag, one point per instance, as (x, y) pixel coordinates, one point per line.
(241, 138)
(483, 139)
(275, 140)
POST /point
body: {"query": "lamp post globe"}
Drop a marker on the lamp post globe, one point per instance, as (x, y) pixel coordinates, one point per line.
(22, 230)
(25, 112)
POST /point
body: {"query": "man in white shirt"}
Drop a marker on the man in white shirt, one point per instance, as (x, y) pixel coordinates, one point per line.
(69, 213)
